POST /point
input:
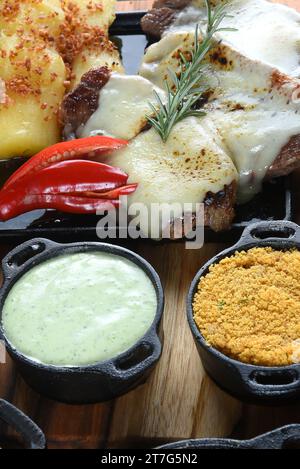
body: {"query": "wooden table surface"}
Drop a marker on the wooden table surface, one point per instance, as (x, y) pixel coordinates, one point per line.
(179, 400)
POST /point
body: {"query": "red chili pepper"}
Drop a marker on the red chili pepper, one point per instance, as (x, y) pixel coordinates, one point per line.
(88, 147)
(115, 193)
(78, 186)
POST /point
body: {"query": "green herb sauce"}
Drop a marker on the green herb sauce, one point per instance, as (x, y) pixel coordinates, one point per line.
(79, 309)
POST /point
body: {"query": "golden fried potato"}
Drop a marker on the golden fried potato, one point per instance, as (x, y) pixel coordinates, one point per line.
(45, 46)
(32, 88)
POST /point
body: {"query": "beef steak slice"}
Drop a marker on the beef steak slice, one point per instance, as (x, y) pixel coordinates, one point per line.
(78, 105)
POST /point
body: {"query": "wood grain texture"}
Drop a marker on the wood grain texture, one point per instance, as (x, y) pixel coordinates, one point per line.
(178, 401)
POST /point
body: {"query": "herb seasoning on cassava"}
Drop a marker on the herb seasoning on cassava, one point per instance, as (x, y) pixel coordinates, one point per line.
(248, 306)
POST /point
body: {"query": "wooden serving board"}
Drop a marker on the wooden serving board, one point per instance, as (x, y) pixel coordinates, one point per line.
(179, 400)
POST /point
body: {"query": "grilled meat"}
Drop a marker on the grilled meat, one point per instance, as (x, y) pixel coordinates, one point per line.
(78, 105)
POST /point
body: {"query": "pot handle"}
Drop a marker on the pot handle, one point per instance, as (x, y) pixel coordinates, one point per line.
(24, 253)
(131, 365)
(31, 433)
(287, 437)
(273, 383)
(270, 230)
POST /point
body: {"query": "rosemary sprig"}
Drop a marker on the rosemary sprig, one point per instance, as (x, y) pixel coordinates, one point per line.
(189, 86)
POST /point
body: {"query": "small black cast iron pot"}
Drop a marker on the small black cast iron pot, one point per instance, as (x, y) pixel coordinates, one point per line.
(30, 432)
(83, 384)
(287, 437)
(257, 384)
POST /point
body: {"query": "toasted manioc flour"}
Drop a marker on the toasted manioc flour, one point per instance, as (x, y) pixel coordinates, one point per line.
(248, 306)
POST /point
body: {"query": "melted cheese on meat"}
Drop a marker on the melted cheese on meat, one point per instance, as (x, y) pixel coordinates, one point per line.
(182, 170)
(265, 31)
(251, 106)
(255, 117)
(123, 107)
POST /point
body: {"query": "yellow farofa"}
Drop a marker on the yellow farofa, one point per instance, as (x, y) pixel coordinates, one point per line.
(248, 306)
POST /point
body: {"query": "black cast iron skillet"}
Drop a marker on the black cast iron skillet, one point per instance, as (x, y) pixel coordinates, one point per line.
(30, 432)
(83, 384)
(257, 384)
(287, 437)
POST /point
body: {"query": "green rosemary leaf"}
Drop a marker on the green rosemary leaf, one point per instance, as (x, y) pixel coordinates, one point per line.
(227, 29)
(196, 113)
(174, 78)
(187, 88)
